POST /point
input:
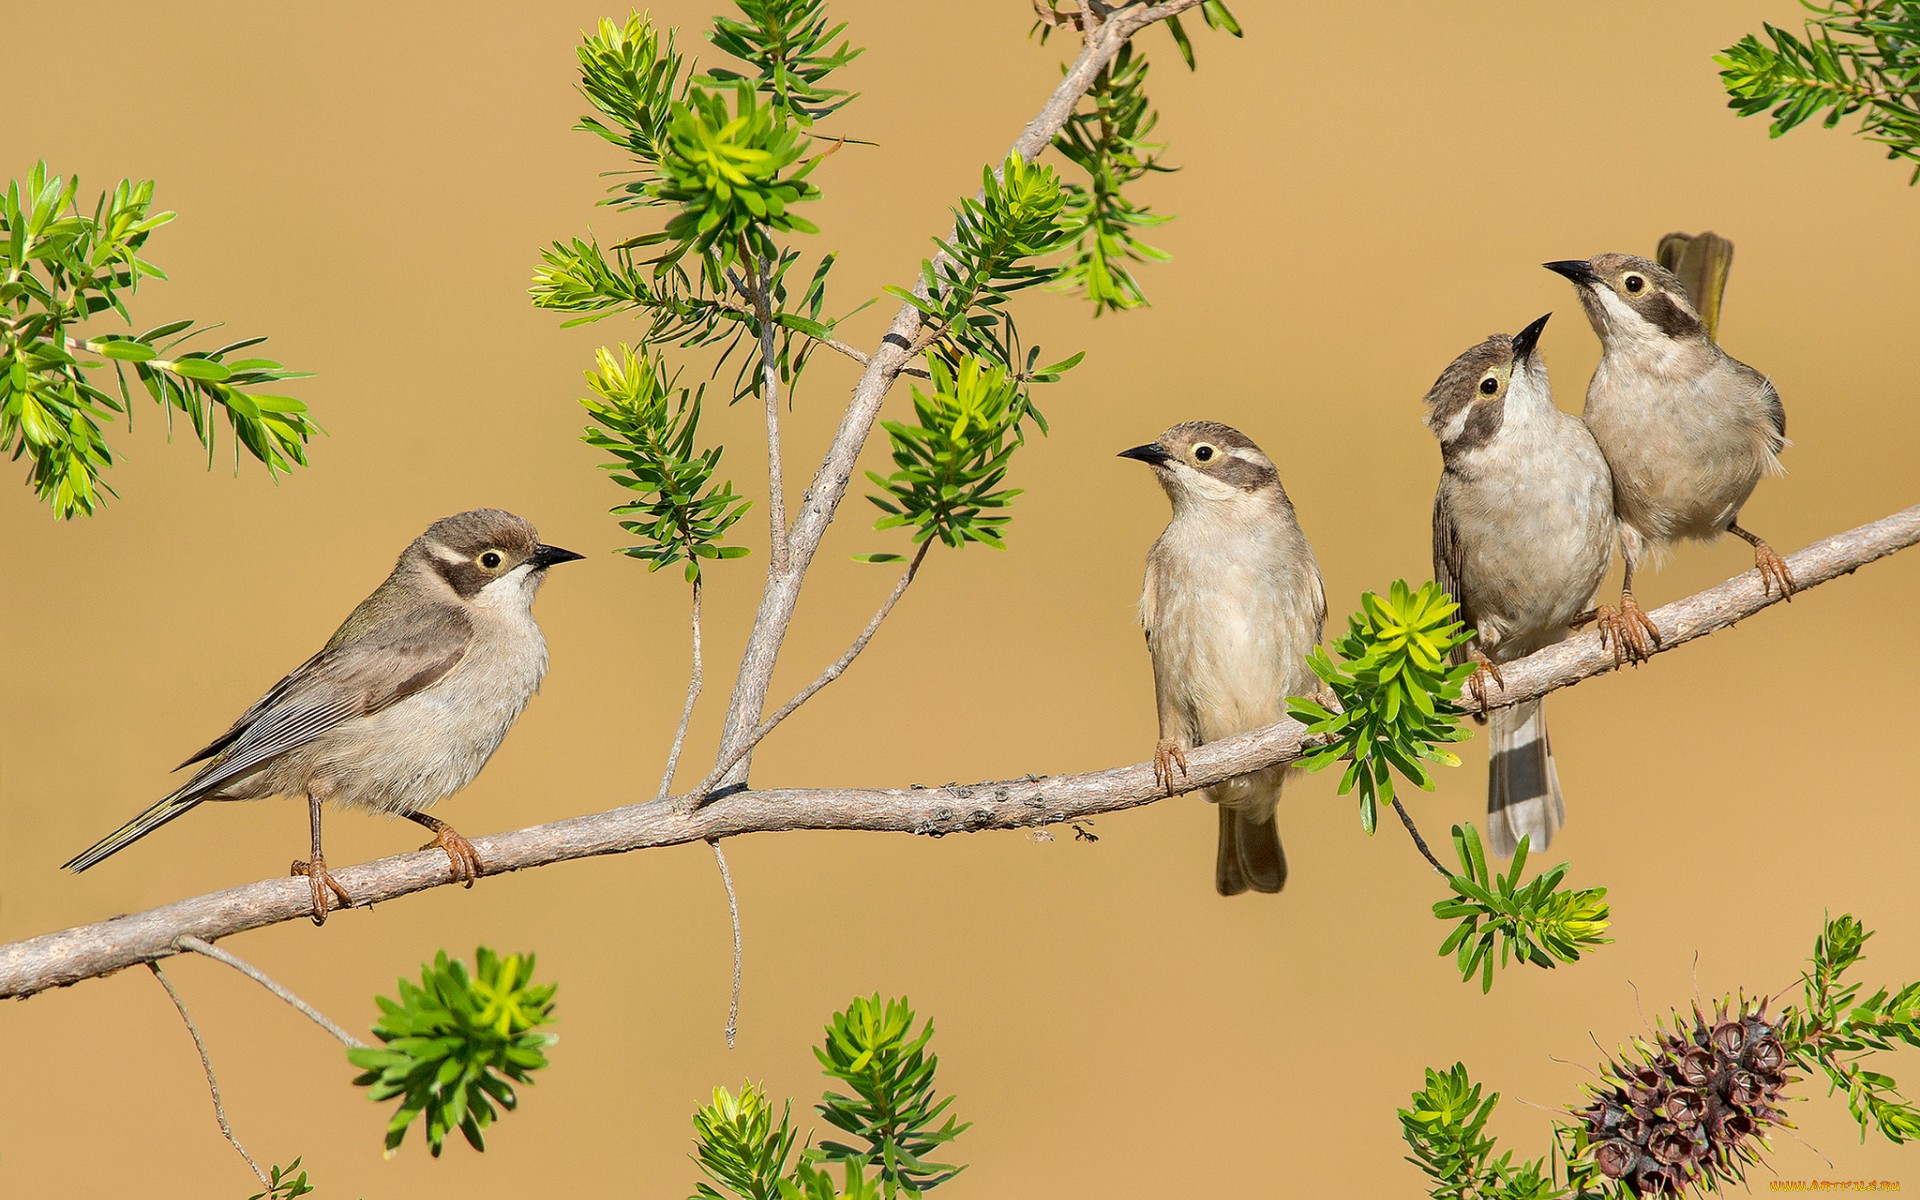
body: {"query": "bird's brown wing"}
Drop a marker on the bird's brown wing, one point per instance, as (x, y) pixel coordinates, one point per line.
(392, 661)
(1446, 559)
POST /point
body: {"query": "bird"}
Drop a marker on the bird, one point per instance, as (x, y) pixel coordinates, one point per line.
(1523, 533)
(1232, 606)
(403, 705)
(1687, 429)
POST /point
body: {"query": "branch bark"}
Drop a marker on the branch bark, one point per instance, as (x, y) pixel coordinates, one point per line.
(883, 366)
(87, 951)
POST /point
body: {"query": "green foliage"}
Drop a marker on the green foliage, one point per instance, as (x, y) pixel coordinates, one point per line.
(1446, 1127)
(648, 423)
(873, 1049)
(455, 1044)
(790, 44)
(1535, 924)
(739, 1145)
(283, 1184)
(1109, 143)
(1019, 216)
(61, 267)
(1837, 1029)
(1857, 56)
(1395, 687)
(632, 75)
(949, 465)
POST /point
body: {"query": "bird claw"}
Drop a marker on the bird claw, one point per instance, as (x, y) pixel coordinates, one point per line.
(1774, 572)
(1166, 756)
(322, 883)
(1628, 630)
(1477, 682)
(462, 858)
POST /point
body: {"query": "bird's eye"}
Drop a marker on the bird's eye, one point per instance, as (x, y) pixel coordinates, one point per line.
(491, 560)
(1489, 386)
(1202, 453)
(1633, 284)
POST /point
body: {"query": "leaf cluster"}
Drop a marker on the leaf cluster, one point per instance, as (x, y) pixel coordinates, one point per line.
(455, 1044)
(1109, 144)
(874, 1049)
(632, 75)
(1856, 56)
(950, 463)
(1836, 1030)
(1535, 923)
(1020, 216)
(1394, 687)
(648, 423)
(58, 268)
(789, 43)
(1446, 1128)
(283, 1184)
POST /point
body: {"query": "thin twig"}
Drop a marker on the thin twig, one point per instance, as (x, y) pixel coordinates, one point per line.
(694, 681)
(770, 389)
(733, 910)
(206, 1064)
(189, 942)
(88, 951)
(1420, 843)
(834, 670)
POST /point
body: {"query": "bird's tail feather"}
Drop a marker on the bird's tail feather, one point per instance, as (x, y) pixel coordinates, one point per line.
(1250, 856)
(142, 825)
(1523, 788)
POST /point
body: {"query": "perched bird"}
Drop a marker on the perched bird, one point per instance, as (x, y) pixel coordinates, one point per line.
(1523, 530)
(1232, 606)
(404, 704)
(1687, 429)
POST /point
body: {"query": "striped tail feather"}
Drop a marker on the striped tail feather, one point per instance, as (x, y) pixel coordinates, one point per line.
(165, 810)
(1523, 787)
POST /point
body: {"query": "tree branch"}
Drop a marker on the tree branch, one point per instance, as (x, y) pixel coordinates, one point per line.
(834, 670)
(267, 981)
(206, 1065)
(762, 294)
(87, 951)
(695, 680)
(885, 364)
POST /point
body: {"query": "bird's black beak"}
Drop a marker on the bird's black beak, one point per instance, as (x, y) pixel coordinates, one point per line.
(1527, 339)
(1574, 269)
(1150, 454)
(545, 556)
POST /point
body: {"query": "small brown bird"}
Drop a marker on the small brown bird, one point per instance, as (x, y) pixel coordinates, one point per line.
(401, 707)
(1688, 430)
(1232, 606)
(1523, 531)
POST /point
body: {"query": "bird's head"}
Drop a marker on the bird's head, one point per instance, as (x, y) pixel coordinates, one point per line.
(1631, 301)
(1205, 462)
(488, 557)
(1470, 401)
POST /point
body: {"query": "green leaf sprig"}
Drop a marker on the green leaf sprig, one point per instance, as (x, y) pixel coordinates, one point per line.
(740, 1146)
(789, 43)
(1109, 144)
(1395, 685)
(1836, 1029)
(873, 1048)
(455, 1044)
(1856, 57)
(648, 424)
(1445, 1125)
(58, 268)
(1533, 923)
(950, 464)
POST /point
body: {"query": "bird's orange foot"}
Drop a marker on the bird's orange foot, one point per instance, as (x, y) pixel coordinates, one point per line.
(1483, 670)
(1628, 630)
(325, 887)
(1774, 572)
(461, 856)
(1166, 756)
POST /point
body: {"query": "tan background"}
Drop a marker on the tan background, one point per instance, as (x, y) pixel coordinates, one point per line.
(1362, 197)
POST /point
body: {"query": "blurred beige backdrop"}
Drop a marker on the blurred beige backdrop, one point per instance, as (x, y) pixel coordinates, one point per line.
(1362, 195)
